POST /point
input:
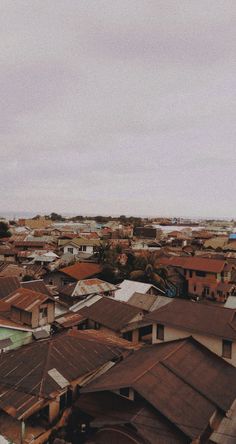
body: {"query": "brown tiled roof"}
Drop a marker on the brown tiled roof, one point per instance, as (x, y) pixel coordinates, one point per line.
(197, 318)
(8, 285)
(82, 270)
(111, 313)
(194, 263)
(180, 379)
(69, 355)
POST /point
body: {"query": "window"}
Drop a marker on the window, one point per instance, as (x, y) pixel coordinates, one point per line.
(194, 288)
(200, 273)
(226, 349)
(70, 250)
(160, 332)
(97, 326)
(190, 273)
(206, 291)
(43, 312)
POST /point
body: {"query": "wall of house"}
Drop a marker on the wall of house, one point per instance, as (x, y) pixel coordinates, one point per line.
(19, 315)
(36, 321)
(211, 342)
(54, 409)
(51, 312)
(57, 278)
(76, 250)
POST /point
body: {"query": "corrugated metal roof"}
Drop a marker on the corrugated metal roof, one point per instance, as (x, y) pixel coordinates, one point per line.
(36, 285)
(82, 270)
(26, 299)
(148, 302)
(194, 263)
(179, 378)
(194, 317)
(128, 288)
(111, 313)
(92, 286)
(70, 319)
(24, 376)
(8, 285)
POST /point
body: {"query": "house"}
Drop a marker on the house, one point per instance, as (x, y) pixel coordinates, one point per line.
(127, 288)
(74, 292)
(204, 276)
(174, 392)
(78, 245)
(35, 224)
(110, 315)
(31, 308)
(8, 254)
(212, 325)
(73, 273)
(41, 380)
(147, 232)
(215, 243)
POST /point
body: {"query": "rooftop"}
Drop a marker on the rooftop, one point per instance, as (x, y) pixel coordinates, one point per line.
(127, 288)
(111, 313)
(65, 357)
(82, 270)
(194, 263)
(180, 379)
(197, 318)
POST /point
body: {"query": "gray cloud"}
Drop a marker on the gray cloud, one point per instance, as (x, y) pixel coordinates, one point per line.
(118, 107)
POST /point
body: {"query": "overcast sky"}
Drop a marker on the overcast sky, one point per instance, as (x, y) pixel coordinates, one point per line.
(118, 107)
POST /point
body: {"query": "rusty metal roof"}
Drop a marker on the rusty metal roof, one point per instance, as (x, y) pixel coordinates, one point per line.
(8, 285)
(148, 302)
(92, 286)
(82, 270)
(111, 313)
(25, 374)
(37, 285)
(195, 317)
(70, 319)
(26, 299)
(111, 409)
(178, 378)
(194, 263)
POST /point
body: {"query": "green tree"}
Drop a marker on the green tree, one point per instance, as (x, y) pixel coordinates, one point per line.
(4, 231)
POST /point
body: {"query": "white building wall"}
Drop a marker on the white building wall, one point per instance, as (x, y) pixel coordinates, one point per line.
(211, 342)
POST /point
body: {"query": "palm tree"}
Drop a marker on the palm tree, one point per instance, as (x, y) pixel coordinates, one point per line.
(146, 269)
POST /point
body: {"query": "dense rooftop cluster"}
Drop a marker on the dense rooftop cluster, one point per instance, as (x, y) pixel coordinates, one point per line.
(117, 330)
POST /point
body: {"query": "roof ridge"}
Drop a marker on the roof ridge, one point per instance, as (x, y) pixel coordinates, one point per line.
(159, 360)
(45, 367)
